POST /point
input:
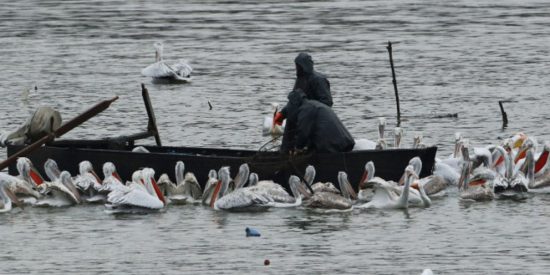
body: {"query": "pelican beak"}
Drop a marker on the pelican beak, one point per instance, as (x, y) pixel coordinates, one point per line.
(364, 177)
(520, 155)
(117, 176)
(541, 162)
(215, 194)
(96, 177)
(36, 177)
(479, 182)
(518, 142)
(13, 197)
(157, 190)
(499, 161)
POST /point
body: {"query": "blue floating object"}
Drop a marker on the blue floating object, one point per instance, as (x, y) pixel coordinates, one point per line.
(251, 232)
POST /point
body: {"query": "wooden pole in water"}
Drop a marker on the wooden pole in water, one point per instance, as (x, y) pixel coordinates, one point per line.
(394, 84)
(504, 116)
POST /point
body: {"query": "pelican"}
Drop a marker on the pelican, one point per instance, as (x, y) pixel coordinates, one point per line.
(324, 197)
(87, 182)
(7, 197)
(28, 172)
(278, 194)
(434, 185)
(111, 180)
(134, 199)
(23, 184)
(366, 192)
(160, 70)
(479, 187)
(397, 135)
(386, 199)
(209, 187)
(241, 199)
(59, 192)
(186, 189)
(381, 142)
(367, 144)
(270, 128)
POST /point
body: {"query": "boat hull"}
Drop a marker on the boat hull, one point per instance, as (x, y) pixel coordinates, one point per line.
(389, 163)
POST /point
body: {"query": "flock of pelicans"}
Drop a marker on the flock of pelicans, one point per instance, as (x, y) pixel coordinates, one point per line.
(510, 170)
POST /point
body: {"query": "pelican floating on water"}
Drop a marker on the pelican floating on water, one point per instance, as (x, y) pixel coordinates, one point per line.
(59, 192)
(241, 199)
(179, 71)
(186, 189)
(278, 194)
(134, 199)
(385, 198)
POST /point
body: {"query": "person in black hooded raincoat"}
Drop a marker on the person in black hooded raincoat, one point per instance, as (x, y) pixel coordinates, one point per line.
(313, 126)
(314, 84)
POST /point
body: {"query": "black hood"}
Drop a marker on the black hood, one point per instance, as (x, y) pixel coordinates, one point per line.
(295, 100)
(305, 62)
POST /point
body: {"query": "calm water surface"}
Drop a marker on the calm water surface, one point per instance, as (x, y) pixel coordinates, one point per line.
(459, 57)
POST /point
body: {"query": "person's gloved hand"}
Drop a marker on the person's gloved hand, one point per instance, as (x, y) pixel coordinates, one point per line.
(278, 118)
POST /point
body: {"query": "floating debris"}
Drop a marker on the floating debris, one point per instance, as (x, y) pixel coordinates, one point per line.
(251, 232)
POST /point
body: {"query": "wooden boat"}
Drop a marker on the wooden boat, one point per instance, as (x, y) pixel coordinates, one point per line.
(390, 163)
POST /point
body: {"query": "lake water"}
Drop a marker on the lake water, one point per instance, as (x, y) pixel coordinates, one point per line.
(461, 57)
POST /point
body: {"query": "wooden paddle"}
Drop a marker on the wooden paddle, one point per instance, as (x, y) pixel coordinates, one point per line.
(66, 127)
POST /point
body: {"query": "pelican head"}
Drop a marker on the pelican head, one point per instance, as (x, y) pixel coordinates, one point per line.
(242, 176)
(52, 171)
(381, 127)
(137, 177)
(158, 51)
(24, 167)
(368, 174)
(148, 174)
(309, 175)
(212, 174)
(109, 169)
(397, 134)
(180, 170)
(253, 179)
(416, 163)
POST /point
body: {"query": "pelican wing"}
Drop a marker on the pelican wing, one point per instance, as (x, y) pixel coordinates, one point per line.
(158, 70)
(242, 198)
(134, 197)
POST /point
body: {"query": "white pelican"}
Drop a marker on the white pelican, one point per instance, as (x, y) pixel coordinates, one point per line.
(59, 193)
(278, 194)
(479, 187)
(365, 190)
(270, 128)
(134, 199)
(385, 198)
(28, 172)
(179, 71)
(23, 185)
(186, 189)
(397, 136)
(367, 144)
(209, 187)
(111, 180)
(381, 142)
(87, 182)
(241, 199)
(7, 197)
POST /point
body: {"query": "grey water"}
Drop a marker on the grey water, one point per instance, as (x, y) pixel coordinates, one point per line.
(450, 57)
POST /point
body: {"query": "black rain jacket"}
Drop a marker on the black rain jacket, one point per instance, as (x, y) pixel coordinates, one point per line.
(314, 125)
(314, 84)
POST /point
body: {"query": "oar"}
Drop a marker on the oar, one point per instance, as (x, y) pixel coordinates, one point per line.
(66, 127)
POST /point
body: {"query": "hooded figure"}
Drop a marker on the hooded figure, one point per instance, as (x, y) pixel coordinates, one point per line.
(313, 84)
(314, 126)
